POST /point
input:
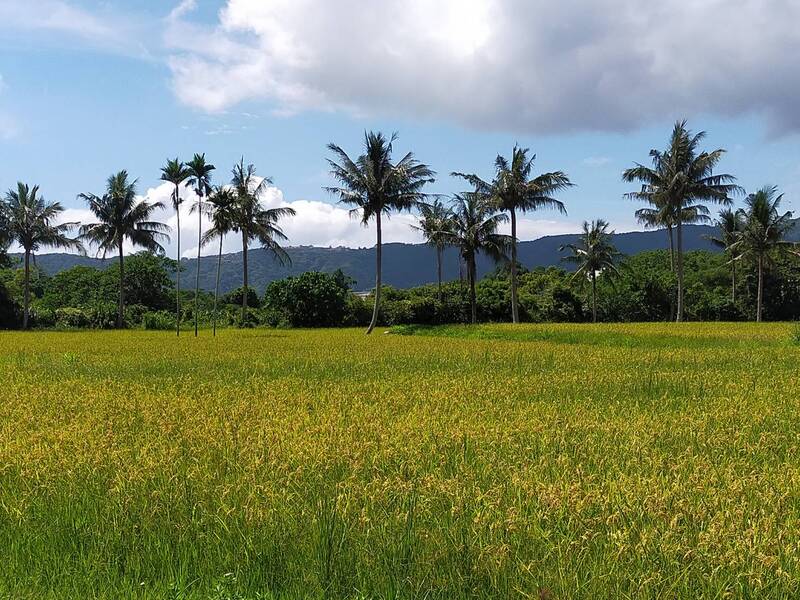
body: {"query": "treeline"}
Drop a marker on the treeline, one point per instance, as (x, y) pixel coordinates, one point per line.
(643, 289)
(677, 188)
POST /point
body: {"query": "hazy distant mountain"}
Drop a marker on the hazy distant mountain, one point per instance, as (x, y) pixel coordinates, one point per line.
(404, 265)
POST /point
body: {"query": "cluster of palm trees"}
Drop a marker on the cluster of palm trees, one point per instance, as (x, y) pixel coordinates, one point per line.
(122, 216)
(675, 187)
(375, 186)
(756, 232)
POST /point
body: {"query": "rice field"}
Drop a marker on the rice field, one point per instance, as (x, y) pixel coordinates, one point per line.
(545, 462)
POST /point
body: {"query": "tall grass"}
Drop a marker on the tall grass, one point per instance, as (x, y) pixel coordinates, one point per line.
(568, 461)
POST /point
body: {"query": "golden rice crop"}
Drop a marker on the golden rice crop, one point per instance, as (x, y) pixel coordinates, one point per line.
(561, 461)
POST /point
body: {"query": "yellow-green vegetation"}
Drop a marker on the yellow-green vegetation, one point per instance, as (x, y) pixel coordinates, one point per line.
(574, 461)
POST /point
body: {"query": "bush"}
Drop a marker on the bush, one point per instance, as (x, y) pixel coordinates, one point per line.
(312, 299)
(71, 318)
(235, 297)
(161, 320)
(357, 312)
(103, 315)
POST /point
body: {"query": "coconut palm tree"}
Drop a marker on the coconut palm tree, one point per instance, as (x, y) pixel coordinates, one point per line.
(221, 212)
(730, 224)
(176, 173)
(515, 191)
(29, 220)
(255, 222)
(435, 223)
(200, 180)
(763, 234)
(682, 178)
(474, 230)
(594, 253)
(374, 187)
(122, 216)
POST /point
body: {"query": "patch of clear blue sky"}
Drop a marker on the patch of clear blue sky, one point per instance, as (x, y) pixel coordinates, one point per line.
(82, 114)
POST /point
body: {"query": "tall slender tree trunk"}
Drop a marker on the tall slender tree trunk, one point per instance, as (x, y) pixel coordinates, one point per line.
(197, 274)
(121, 305)
(514, 301)
(378, 251)
(679, 264)
(27, 291)
(178, 268)
(759, 301)
(245, 282)
(439, 269)
(216, 287)
(672, 270)
(733, 281)
(594, 297)
(671, 249)
(473, 302)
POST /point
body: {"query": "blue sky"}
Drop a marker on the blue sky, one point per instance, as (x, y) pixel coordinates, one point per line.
(89, 88)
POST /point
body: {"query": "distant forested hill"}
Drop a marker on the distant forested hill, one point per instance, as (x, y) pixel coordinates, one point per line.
(404, 265)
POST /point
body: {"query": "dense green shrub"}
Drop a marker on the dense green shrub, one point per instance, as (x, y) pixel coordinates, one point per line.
(71, 318)
(312, 299)
(158, 320)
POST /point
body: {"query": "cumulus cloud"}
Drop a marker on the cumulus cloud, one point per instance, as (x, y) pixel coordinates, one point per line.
(521, 65)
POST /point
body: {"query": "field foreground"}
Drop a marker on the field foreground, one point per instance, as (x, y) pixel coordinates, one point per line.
(551, 461)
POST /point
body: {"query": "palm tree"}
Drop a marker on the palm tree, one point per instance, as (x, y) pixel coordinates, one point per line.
(680, 179)
(29, 220)
(254, 221)
(594, 253)
(474, 230)
(515, 191)
(763, 233)
(730, 224)
(220, 209)
(175, 172)
(200, 180)
(120, 216)
(375, 187)
(435, 224)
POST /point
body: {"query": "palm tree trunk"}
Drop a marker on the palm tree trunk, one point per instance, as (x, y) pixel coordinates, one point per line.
(679, 231)
(216, 287)
(27, 291)
(514, 302)
(759, 302)
(594, 297)
(672, 270)
(473, 303)
(439, 269)
(121, 305)
(671, 249)
(245, 282)
(733, 281)
(378, 250)
(178, 269)
(197, 274)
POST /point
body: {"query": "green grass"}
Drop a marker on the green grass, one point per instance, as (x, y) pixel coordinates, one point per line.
(561, 461)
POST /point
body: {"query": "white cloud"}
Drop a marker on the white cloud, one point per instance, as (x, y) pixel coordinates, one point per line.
(523, 65)
(597, 161)
(101, 28)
